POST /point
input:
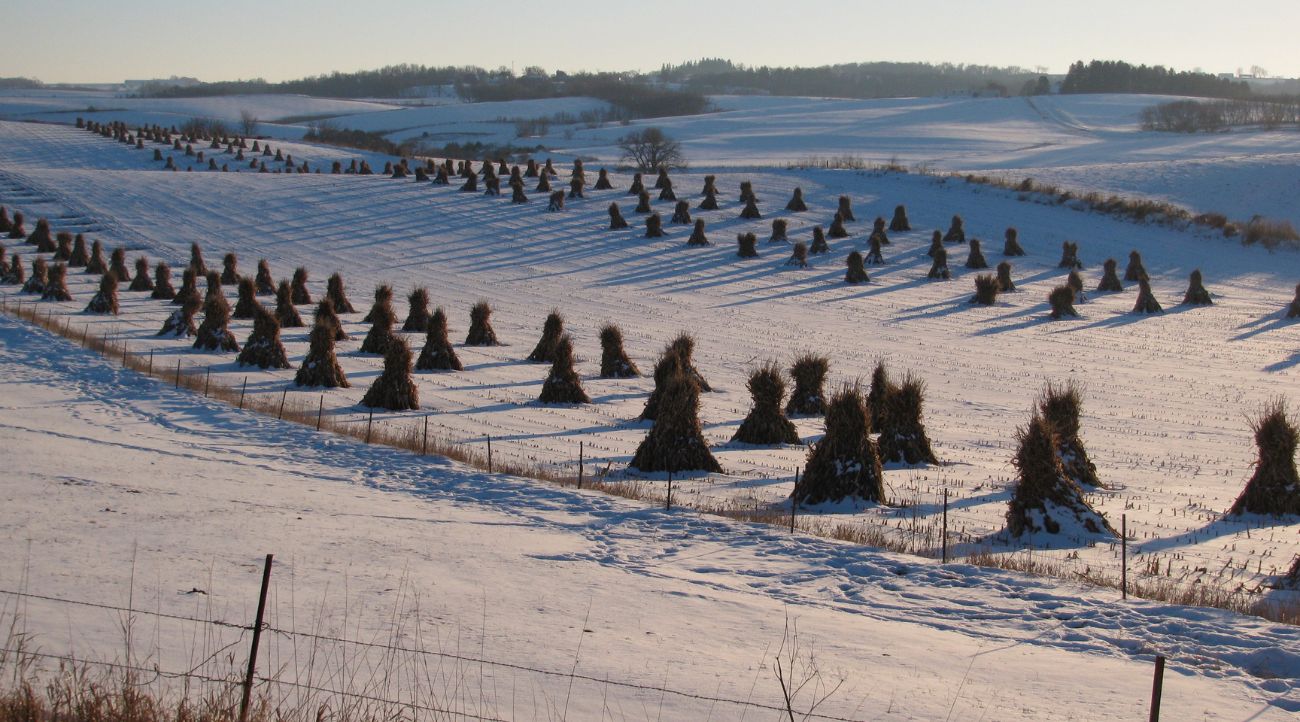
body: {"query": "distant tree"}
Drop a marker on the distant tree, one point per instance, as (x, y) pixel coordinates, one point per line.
(248, 123)
(651, 149)
(1037, 86)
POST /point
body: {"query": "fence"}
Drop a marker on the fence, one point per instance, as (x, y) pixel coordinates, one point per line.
(318, 675)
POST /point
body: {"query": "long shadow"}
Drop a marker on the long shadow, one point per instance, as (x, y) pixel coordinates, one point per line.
(1262, 326)
(1224, 526)
(1283, 365)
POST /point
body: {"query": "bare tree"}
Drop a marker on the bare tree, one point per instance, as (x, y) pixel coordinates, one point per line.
(800, 676)
(650, 149)
(248, 123)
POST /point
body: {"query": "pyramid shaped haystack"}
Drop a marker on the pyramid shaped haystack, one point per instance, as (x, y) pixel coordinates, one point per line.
(975, 259)
(809, 374)
(987, 288)
(563, 385)
(846, 209)
(64, 252)
(229, 270)
(819, 244)
(79, 257)
(40, 277)
(189, 289)
(325, 315)
(552, 331)
(42, 238)
(710, 202)
(382, 319)
(1146, 300)
(766, 423)
(602, 181)
(798, 256)
(1070, 256)
(263, 348)
(1060, 407)
(334, 290)
(616, 219)
(394, 389)
(654, 226)
(1274, 488)
(438, 354)
(879, 392)
(642, 203)
(180, 324)
(1061, 300)
(1135, 270)
(677, 356)
(681, 214)
(142, 280)
(902, 432)
(383, 296)
(299, 292)
(746, 245)
(796, 204)
(1005, 284)
(1012, 245)
(265, 281)
(779, 229)
(845, 463)
(105, 300)
(956, 231)
(857, 272)
(614, 361)
(750, 211)
(246, 305)
(1196, 294)
(697, 234)
(1045, 499)
(320, 367)
(837, 229)
(480, 325)
(1109, 278)
(196, 260)
(899, 222)
(117, 264)
(285, 312)
(939, 267)
(57, 287)
(417, 316)
(676, 441)
(214, 333)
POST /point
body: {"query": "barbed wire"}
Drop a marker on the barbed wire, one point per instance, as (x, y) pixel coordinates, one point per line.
(388, 648)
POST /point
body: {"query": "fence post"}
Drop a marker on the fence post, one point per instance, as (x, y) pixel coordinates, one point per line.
(1123, 555)
(257, 637)
(424, 442)
(489, 440)
(151, 362)
(242, 389)
(794, 504)
(1157, 685)
(370, 420)
(668, 501)
(283, 396)
(580, 452)
(320, 410)
(178, 373)
(945, 525)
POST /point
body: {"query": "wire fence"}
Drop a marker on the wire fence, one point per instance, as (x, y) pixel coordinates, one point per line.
(365, 672)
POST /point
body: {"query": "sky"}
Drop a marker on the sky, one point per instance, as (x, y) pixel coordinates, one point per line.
(96, 41)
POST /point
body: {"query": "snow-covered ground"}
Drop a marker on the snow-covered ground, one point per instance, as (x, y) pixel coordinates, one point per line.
(132, 494)
(1167, 398)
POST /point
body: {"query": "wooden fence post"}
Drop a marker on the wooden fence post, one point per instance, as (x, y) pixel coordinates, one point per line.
(242, 389)
(257, 638)
(945, 525)
(580, 452)
(1157, 687)
(1123, 555)
(283, 396)
(320, 410)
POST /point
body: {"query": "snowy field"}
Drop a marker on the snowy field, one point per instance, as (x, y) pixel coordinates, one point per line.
(1167, 398)
(1081, 142)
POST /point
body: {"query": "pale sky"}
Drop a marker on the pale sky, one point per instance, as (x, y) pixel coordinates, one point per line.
(113, 40)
